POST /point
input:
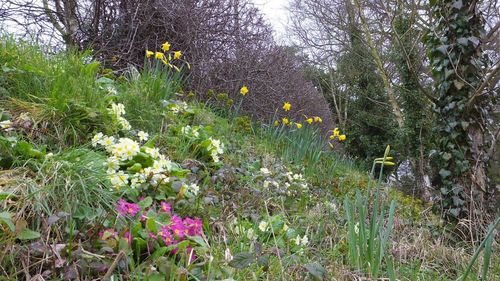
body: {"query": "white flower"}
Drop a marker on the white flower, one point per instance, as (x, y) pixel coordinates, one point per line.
(124, 123)
(154, 152)
(304, 241)
(111, 90)
(112, 164)
(265, 171)
(193, 188)
(301, 241)
(175, 109)
(356, 228)
(143, 136)
(186, 130)
(125, 149)
(227, 255)
(215, 148)
(97, 139)
(285, 227)
(195, 132)
(157, 167)
(156, 179)
(117, 109)
(297, 240)
(5, 124)
(263, 226)
(107, 142)
(251, 234)
(118, 179)
(266, 184)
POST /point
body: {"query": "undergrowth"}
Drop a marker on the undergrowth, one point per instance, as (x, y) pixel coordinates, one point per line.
(256, 201)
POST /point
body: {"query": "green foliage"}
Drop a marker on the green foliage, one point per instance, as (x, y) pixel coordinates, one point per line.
(416, 108)
(486, 246)
(371, 124)
(58, 92)
(457, 61)
(368, 244)
(281, 184)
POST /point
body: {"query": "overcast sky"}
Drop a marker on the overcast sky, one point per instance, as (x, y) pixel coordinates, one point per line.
(277, 14)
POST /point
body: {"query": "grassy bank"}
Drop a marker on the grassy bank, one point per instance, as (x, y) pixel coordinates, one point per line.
(256, 201)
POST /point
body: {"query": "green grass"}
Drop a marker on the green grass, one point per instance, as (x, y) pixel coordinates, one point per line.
(53, 184)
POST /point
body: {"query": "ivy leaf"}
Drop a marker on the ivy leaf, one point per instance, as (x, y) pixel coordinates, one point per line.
(242, 260)
(455, 212)
(474, 40)
(316, 270)
(458, 4)
(442, 49)
(463, 41)
(444, 173)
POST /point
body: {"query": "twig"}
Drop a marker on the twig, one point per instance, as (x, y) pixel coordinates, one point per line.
(120, 255)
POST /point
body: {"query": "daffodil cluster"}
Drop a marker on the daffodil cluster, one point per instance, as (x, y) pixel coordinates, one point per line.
(289, 123)
(166, 56)
(336, 134)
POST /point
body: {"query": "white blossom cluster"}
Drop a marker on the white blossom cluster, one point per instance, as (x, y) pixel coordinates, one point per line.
(116, 111)
(215, 148)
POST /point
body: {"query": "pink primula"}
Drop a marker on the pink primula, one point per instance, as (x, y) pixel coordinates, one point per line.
(166, 207)
(124, 208)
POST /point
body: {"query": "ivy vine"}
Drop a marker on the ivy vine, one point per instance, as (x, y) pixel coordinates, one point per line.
(457, 61)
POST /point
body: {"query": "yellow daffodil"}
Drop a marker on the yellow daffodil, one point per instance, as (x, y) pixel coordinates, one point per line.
(159, 55)
(177, 55)
(287, 106)
(309, 120)
(332, 137)
(244, 90)
(336, 132)
(298, 125)
(285, 121)
(276, 123)
(165, 46)
(318, 119)
(149, 54)
(342, 137)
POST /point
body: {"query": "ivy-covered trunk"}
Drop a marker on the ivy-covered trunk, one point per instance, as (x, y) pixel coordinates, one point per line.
(458, 65)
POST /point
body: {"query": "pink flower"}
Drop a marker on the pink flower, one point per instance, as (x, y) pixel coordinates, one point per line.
(176, 219)
(128, 237)
(165, 235)
(178, 230)
(166, 207)
(124, 208)
(193, 226)
(152, 235)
